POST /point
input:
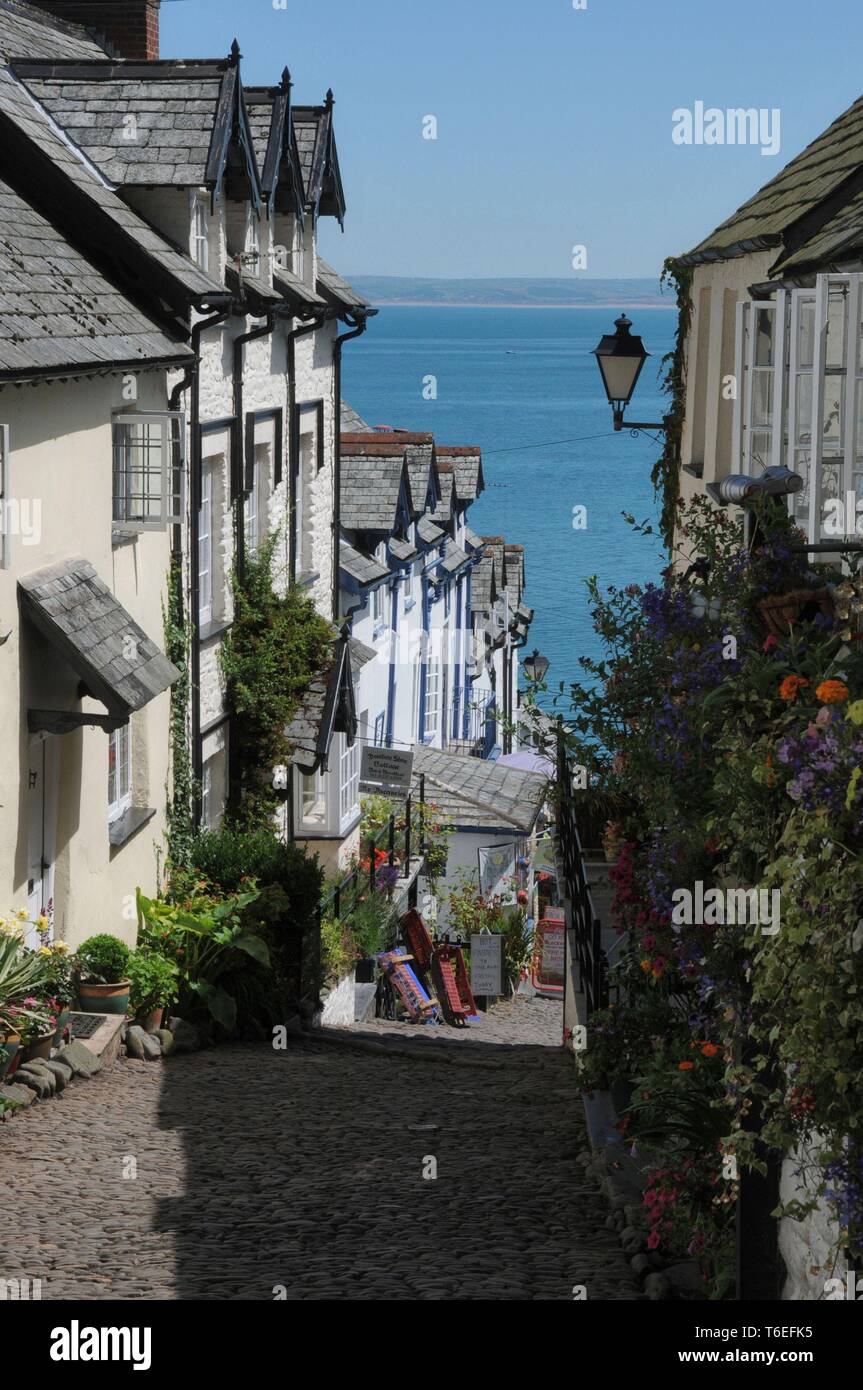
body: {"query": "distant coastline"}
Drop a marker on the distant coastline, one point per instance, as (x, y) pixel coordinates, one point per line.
(514, 293)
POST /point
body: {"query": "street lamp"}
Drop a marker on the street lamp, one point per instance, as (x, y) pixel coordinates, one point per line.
(620, 357)
(535, 666)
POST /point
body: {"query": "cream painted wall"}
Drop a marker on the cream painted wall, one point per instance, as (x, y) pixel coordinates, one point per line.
(61, 458)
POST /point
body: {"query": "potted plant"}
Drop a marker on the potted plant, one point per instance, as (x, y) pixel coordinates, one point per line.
(154, 986)
(102, 968)
(59, 984)
(38, 1026)
(22, 972)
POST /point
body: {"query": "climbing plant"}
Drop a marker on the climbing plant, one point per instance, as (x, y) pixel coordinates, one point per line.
(180, 793)
(278, 643)
(666, 472)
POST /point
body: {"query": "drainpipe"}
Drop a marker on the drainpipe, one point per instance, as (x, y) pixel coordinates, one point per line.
(359, 322)
(194, 508)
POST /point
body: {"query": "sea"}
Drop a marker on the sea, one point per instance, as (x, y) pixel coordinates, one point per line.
(523, 384)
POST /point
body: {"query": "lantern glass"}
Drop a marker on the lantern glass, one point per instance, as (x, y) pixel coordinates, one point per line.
(620, 356)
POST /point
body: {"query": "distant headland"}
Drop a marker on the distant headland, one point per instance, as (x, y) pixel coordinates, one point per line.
(516, 293)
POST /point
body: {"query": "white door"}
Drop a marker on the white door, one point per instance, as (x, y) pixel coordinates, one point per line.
(41, 820)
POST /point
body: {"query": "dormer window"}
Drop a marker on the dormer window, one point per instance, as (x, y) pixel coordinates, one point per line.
(201, 234)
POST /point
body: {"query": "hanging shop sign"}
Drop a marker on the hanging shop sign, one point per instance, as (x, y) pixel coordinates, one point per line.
(386, 771)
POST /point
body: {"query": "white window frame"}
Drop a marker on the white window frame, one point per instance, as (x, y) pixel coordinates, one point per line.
(804, 451)
(121, 741)
(349, 780)
(214, 754)
(433, 699)
(206, 550)
(200, 232)
(316, 828)
(5, 498)
(164, 503)
(379, 619)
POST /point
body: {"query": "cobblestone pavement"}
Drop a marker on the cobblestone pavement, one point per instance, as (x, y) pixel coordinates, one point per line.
(303, 1168)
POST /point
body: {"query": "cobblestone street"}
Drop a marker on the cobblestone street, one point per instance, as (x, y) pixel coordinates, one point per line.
(303, 1168)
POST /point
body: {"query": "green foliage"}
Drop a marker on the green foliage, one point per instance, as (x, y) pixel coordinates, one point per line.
(181, 796)
(666, 472)
(212, 942)
(22, 973)
(276, 646)
(430, 823)
(154, 981)
(339, 952)
(103, 960)
(367, 926)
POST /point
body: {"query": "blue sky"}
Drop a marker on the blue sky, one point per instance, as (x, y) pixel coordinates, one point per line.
(554, 125)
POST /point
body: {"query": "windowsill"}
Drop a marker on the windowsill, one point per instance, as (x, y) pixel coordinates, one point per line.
(120, 538)
(378, 632)
(306, 578)
(121, 830)
(213, 629)
(409, 604)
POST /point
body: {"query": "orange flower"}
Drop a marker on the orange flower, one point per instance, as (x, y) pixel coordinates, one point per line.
(645, 965)
(685, 1066)
(790, 687)
(831, 692)
(709, 1050)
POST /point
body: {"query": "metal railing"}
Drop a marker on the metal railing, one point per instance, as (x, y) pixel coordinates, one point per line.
(475, 723)
(586, 926)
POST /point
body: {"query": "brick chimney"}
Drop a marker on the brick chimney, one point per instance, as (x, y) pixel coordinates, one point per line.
(131, 27)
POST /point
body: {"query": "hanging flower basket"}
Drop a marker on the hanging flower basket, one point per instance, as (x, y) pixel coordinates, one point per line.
(781, 611)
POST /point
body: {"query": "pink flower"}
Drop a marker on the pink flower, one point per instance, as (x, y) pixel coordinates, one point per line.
(771, 642)
(824, 715)
(653, 1240)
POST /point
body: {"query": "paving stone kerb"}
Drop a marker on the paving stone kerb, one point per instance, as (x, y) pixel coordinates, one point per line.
(260, 1169)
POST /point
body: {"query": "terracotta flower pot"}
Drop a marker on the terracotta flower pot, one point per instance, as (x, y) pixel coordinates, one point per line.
(104, 999)
(39, 1047)
(152, 1020)
(781, 611)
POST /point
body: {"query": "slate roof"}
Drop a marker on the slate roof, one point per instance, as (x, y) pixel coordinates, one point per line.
(77, 612)
(495, 544)
(428, 532)
(331, 285)
(454, 559)
(833, 243)
(472, 539)
(173, 104)
(33, 148)
(365, 569)
(480, 794)
(57, 312)
(443, 511)
(297, 292)
(319, 161)
(467, 470)
(351, 422)
(26, 30)
(402, 550)
(361, 654)
(419, 458)
(814, 175)
(275, 144)
(482, 584)
(371, 485)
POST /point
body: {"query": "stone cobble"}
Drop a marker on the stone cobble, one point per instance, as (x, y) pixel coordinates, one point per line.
(246, 1172)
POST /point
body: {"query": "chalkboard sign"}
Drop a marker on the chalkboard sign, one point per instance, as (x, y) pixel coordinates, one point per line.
(486, 963)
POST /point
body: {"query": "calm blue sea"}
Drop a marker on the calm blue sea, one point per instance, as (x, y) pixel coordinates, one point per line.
(520, 382)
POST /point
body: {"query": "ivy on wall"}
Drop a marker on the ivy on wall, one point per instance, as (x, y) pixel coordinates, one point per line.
(666, 472)
(181, 791)
(277, 645)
